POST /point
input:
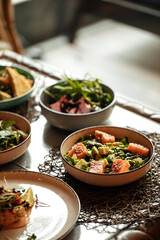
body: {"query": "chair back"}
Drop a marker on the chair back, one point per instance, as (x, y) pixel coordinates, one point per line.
(9, 38)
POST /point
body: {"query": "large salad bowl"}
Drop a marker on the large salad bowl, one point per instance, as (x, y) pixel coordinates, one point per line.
(111, 179)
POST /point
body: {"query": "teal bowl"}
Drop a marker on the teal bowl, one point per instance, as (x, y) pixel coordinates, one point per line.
(14, 101)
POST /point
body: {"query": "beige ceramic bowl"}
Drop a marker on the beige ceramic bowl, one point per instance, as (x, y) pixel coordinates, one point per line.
(76, 121)
(108, 180)
(24, 125)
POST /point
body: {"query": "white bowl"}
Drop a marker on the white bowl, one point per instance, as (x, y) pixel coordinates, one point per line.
(108, 180)
(75, 121)
(24, 125)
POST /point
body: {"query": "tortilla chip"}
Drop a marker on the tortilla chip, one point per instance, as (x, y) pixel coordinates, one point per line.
(19, 83)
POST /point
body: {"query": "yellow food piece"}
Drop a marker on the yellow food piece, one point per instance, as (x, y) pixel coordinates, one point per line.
(4, 80)
(19, 83)
(28, 196)
(103, 150)
(80, 164)
(4, 95)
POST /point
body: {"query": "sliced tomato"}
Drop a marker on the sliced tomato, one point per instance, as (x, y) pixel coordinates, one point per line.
(97, 167)
(138, 149)
(120, 166)
(104, 137)
(79, 149)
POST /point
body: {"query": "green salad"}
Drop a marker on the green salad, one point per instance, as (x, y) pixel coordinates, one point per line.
(10, 135)
(78, 96)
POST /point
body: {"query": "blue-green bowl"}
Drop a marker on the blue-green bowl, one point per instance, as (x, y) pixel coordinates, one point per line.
(14, 101)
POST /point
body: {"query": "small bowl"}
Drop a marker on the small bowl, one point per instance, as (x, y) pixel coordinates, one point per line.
(107, 180)
(24, 125)
(73, 122)
(14, 101)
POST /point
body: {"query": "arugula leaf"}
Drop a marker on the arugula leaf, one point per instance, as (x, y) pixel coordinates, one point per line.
(91, 90)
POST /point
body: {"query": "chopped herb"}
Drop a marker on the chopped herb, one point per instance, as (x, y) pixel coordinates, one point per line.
(31, 237)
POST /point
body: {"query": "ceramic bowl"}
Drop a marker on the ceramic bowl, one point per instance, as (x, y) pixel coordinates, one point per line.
(73, 122)
(24, 125)
(12, 102)
(108, 180)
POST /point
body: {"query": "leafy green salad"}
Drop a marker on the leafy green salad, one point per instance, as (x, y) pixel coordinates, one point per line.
(78, 96)
(10, 135)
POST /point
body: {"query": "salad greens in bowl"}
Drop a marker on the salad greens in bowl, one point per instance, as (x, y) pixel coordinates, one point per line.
(73, 104)
(15, 136)
(107, 155)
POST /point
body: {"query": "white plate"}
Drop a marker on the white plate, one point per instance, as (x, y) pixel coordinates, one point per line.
(55, 220)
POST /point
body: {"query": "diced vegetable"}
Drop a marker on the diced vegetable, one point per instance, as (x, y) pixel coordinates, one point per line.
(120, 166)
(105, 161)
(103, 150)
(138, 149)
(139, 160)
(80, 164)
(95, 150)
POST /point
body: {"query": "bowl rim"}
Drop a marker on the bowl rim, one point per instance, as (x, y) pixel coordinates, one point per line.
(105, 174)
(29, 134)
(24, 94)
(112, 103)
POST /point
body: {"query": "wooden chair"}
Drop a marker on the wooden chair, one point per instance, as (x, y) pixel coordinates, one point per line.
(9, 38)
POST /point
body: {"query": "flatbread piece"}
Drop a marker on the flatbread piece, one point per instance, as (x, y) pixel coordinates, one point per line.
(19, 83)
